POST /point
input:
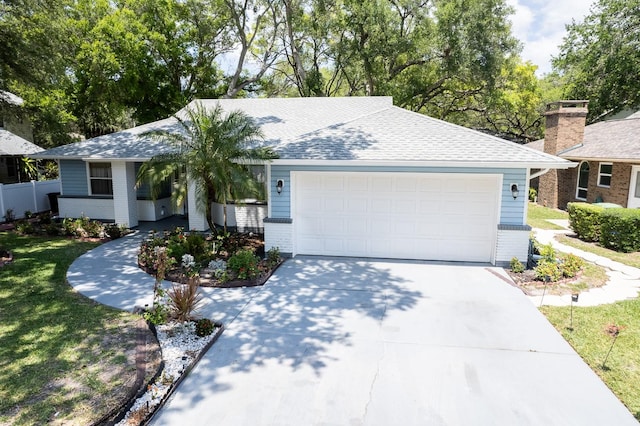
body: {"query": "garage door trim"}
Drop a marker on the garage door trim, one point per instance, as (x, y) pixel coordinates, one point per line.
(491, 189)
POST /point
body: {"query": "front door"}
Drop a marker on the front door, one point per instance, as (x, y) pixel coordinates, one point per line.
(634, 188)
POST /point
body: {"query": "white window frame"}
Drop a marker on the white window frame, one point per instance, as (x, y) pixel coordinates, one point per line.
(600, 174)
(578, 187)
(90, 178)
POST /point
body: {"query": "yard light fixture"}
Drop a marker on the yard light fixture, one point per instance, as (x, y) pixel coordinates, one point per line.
(514, 190)
(279, 186)
(162, 211)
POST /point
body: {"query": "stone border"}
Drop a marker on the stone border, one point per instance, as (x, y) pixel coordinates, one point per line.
(118, 413)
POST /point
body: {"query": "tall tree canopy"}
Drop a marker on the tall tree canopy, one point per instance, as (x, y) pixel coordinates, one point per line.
(600, 57)
(114, 63)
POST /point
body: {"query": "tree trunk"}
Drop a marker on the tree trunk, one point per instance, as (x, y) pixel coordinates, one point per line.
(212, 226)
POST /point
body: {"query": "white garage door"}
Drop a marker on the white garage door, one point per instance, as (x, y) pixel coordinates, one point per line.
(396, 215)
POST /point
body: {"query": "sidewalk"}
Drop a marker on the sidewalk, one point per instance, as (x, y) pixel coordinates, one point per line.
(623, 284)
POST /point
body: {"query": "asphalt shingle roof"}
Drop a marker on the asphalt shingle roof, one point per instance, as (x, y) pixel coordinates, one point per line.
(11, 144)
(606, 140)
(352, 128)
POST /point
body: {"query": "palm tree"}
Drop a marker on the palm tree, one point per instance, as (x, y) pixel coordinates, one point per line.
(215, 150)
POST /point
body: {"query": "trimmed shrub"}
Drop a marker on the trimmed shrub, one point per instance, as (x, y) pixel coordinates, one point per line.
(533, 194)
(571, 265)
(273, 256)
(584, 219)
(620, 229)
(550, 269)
(516, 266)
(245, 264)
(204, 327)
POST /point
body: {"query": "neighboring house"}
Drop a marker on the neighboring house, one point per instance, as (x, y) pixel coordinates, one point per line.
(607, 153)
(16, 137)
(355, 176)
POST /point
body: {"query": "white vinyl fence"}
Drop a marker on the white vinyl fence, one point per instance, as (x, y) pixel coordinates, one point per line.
(28, 196)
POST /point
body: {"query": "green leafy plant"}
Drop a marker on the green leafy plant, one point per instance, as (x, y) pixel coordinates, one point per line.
(548, 270)
(532, 194)
(9, 215)
(273, 256)
(571, 265)
(204, 327)
(620, 229)
(115, 231)
(196, 245)
(516, 266)
(184, 300)
(245, 264)
(159, 312)
(25, 227)
(585, 220)
(44, 218)
(547, 252)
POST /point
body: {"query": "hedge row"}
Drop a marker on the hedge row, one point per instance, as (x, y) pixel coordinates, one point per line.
(585, 220)
(616, 228)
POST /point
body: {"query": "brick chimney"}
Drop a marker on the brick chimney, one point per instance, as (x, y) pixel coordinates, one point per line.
(565, 121)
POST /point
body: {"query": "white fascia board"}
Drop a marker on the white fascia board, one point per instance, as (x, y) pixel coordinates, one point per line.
(373, 163)
(131, 160)
(604, 159)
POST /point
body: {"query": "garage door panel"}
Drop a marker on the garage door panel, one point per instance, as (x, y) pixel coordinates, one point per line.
(334, 204)
(357, 184)
(397, 215)
(401, 206)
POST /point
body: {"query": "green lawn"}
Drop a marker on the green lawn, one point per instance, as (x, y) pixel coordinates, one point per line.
(589, 339)
(537, 216)
(631, 259)
(62, 357)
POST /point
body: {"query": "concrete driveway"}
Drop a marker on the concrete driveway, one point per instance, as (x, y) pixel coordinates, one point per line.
(359, 342)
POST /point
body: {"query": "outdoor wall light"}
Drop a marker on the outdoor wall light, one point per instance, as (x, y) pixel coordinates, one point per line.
(279, 186)
(162, 211)
(514, 190)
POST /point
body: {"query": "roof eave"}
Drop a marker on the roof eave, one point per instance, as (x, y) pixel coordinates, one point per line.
(400, 163)
(604, 159)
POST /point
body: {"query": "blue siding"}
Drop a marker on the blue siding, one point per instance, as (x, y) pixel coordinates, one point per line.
(73, 175)
(280, 203)
(511, 211)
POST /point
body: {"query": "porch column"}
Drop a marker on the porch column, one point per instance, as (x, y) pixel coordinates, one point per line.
(125, 203)
(197, 219)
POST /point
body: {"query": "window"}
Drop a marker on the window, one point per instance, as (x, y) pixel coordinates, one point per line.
(583, 181)
(604, 174)
(100, 179)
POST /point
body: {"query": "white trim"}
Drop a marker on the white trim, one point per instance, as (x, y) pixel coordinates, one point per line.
(527, 180)
(632, 200)
(267, 168)
(604, 159)
(88, 168)
(600, 174)
(578, 188)
(408, 164)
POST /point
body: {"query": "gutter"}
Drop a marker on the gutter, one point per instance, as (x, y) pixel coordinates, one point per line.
(538, 174)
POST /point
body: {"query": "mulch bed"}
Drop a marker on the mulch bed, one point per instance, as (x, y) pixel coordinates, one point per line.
(207, 279)
(527, 282)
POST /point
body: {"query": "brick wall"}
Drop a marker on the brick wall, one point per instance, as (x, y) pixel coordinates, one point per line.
(565, 121)
(618, 192)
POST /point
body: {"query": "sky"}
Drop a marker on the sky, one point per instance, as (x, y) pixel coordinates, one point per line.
(540, 26)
